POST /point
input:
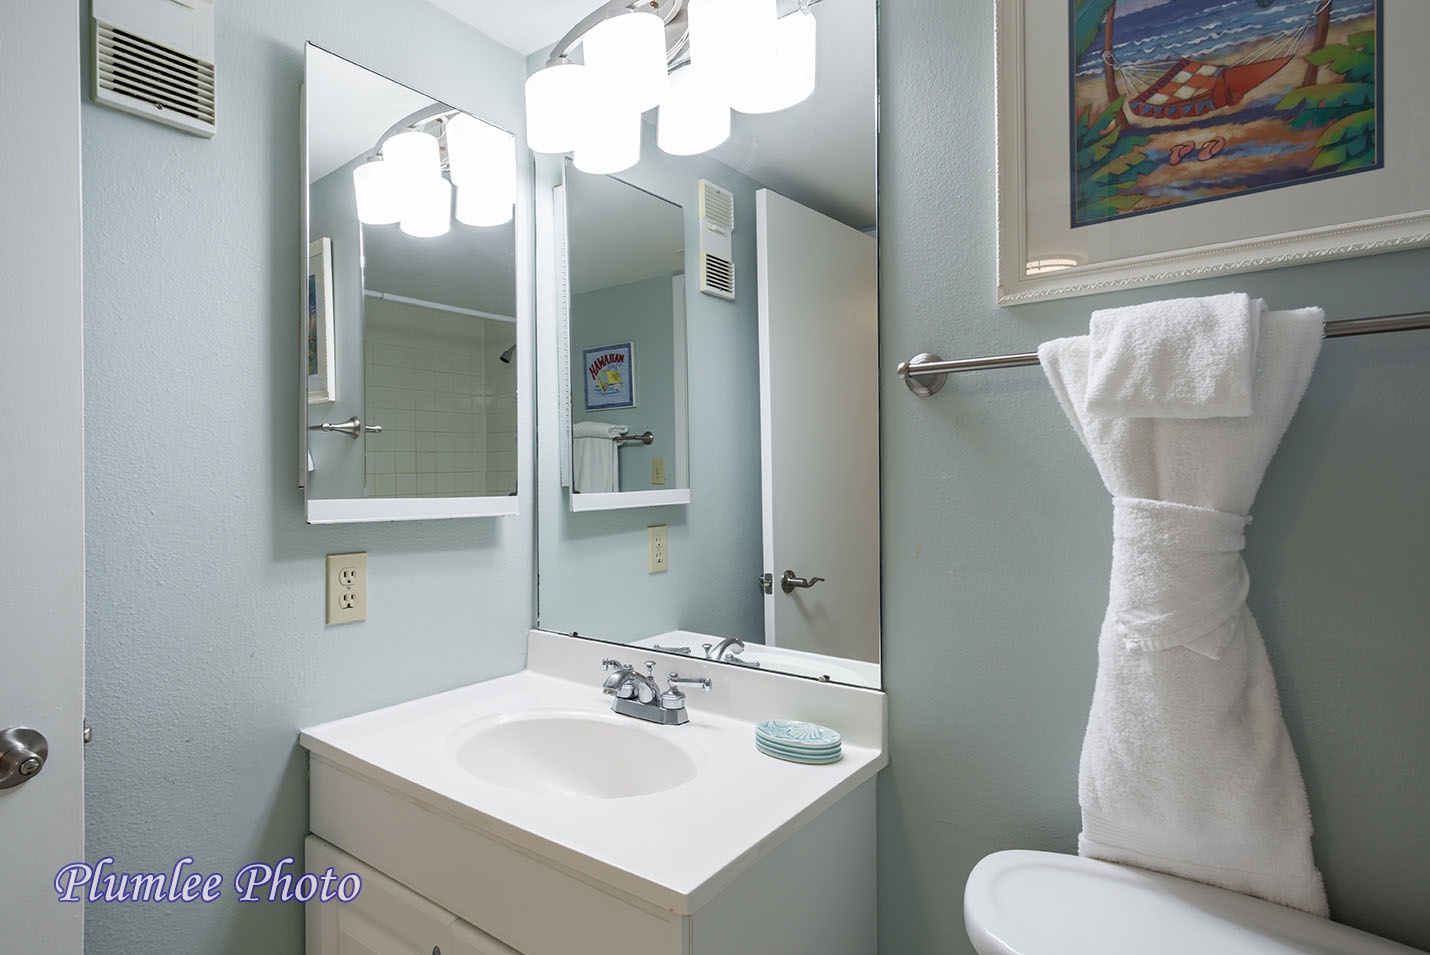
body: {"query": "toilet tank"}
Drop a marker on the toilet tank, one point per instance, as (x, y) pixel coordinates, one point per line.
(1022, 902)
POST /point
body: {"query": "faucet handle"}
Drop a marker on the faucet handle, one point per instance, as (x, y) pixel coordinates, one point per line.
(672, 698)
(613, 664)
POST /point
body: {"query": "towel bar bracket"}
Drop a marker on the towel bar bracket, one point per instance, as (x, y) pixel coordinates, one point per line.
(923, 384)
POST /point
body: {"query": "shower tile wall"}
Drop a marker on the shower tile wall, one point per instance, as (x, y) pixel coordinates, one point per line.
(444, 399)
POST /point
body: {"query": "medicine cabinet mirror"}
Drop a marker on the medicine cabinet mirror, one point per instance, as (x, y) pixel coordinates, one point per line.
(409, 322)
(778, 545)
(621, 321)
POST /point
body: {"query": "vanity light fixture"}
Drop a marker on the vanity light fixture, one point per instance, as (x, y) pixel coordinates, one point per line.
(694, 59)
(426, 157)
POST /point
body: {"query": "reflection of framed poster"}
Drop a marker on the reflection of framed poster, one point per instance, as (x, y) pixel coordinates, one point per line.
(321, 383)
(610, 376)
(1150, 141)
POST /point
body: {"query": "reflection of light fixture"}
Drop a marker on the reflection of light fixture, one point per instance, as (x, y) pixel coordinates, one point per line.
(420, 159)
(696, 59)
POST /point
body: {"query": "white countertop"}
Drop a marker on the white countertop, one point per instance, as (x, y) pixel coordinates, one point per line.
(675, 849)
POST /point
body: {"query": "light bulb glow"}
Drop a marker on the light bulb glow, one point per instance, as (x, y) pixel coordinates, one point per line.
(555, 106)
(414, 155)
(787, 78)
(730, 39)
(480, 208)
(610, 138)
(429, 210)
(693, 117)
(378, 192)
(625, 59)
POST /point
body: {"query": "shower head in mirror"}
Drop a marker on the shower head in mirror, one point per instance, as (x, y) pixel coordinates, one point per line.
(506, 356)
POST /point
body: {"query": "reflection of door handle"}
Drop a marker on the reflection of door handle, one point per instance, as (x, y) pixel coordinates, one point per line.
(351, 427)
(788, 582)
(22, 755)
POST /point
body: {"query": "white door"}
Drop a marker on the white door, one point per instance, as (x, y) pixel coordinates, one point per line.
(42, 472)
(819, 428)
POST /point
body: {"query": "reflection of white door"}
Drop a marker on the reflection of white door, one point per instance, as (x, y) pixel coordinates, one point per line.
(819, 428)
(42, 481)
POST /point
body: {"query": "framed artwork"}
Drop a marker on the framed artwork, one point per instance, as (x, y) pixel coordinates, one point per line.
(1151, 141)
(610, 376)
(321, 378)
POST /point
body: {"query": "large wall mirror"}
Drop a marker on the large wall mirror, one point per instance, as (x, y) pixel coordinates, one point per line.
(778, 546)
(409, 405)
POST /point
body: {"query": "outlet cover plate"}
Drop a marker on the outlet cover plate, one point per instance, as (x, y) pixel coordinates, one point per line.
(659, 561)
(347, 588)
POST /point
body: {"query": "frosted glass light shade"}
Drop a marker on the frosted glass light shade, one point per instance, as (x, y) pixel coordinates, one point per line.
(429, 209)
(731, 39)
(379, 193)
(479, 207)
(788, 78)
(481, 154)
(693, 117)
(610, 138)
(555, 107)
(625, 59)
(414, 155)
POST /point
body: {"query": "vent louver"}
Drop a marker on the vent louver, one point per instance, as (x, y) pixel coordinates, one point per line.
(140, 76)
(717, 225)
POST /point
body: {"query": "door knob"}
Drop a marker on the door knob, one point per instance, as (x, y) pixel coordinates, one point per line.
(22, 755)
(788, 582)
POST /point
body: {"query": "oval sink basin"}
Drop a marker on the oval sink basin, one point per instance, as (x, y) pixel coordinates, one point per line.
(575, 754)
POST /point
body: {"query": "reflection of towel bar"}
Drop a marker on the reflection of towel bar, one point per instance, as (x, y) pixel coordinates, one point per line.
(621, 439)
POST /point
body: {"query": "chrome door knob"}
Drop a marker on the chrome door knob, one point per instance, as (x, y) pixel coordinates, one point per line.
(23, 753)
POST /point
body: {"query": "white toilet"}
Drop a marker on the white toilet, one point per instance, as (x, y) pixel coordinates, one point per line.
(1020, 902)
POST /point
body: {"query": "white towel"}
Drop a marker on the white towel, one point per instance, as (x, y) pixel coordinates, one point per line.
(595, 465)
(1186, 765)
(1182, 358)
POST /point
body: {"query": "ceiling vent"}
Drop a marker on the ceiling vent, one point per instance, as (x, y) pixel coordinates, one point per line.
(155, 59)
(717, 225)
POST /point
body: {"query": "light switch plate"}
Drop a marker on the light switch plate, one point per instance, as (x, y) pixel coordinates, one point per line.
(657, 470)
(659, 559)
(347, 588)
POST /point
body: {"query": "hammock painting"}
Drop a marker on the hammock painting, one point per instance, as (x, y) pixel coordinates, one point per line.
(1186, 101)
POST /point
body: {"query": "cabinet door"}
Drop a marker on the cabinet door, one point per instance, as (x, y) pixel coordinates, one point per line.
(467, 939)
(386, 918)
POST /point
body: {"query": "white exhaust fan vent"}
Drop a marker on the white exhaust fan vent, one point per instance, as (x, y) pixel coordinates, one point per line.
(155, 59)
(717, 225)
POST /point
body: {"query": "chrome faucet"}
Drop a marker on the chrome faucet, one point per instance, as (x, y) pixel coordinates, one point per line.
(636, 694)
(728, 651)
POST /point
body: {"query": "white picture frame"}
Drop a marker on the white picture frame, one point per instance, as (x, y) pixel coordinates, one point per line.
(1041, 256)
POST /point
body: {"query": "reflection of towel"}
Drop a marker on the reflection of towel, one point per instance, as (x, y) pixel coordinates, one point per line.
(595, 466)
(1182, 358)
(1186, 765)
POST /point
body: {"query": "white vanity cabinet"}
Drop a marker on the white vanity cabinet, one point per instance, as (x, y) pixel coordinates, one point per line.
(386, 918)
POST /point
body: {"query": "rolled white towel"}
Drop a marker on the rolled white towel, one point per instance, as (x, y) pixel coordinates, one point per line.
(597, 429)
(1181, 358)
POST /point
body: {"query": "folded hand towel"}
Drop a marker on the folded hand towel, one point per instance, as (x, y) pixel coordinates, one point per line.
(595, 465)
(1182, 358)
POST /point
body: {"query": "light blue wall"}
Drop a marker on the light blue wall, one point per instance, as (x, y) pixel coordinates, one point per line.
(206, 644)
(640, 313)
(997, 536)
(593, 574)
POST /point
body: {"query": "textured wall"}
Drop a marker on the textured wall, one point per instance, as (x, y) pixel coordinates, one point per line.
(206, 644)
(997, 536)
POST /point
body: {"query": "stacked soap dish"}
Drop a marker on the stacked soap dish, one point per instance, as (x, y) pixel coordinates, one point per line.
(797, 742)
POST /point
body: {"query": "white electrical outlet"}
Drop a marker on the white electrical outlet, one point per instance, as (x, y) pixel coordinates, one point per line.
(657, 470)
(659, 558)
(347, 588)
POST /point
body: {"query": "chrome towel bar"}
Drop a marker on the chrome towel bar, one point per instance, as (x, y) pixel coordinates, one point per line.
(621, 439)
(926, 373)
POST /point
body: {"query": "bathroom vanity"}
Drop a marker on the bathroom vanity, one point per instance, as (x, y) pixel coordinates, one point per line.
(522, 815)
